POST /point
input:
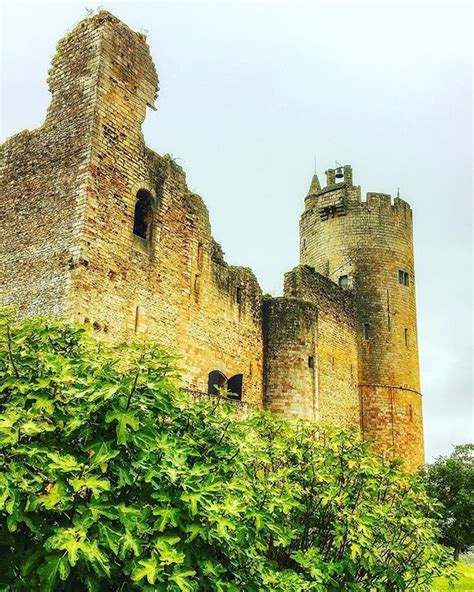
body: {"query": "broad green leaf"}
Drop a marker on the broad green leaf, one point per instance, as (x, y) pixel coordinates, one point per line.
(64, 462)
(112, 538)
(148, 570)
(127, 543)
(56, 494)
(181, 577)
(102, 453)
(95, 484)
(195, 530)
(8, 429)
(64, 569)
(168, 553)
(49, 572)
(168, 516)
(124, 420)
(70, 540)
(34, 426)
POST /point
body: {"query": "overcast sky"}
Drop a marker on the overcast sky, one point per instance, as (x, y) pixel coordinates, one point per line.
(251, 92)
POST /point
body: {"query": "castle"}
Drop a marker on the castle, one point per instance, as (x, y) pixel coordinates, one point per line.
(99, 228)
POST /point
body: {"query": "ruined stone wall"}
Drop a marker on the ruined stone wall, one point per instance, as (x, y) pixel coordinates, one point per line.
(43, 175)
(290, 373)
(371, 242)
(172, 286)
(336, 345)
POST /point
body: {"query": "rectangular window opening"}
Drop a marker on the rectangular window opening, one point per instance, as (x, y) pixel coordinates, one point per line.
(366, 330)
(197, 289)
(200, 255)
(238, 295)
(310, 362)
(406, 337)
(403, 277)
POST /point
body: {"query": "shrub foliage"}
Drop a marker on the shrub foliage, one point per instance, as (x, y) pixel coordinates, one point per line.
(450, 480)
(113, 479)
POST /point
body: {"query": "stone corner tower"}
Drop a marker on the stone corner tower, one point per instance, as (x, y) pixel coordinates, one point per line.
(367, 247)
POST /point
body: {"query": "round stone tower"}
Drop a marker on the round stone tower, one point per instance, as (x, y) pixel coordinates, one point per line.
(367, 247)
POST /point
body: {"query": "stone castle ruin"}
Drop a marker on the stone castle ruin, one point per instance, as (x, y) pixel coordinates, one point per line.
(100, 229)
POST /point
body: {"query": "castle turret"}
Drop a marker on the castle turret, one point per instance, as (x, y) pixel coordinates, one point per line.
(367, 247)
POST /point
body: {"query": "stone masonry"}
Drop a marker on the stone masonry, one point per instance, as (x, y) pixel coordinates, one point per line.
(99, 229)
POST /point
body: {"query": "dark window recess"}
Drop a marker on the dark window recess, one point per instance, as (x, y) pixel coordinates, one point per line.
(216, 380)
(234, 386)
(310, 362)
(200, 256)
(142, 215)
(238, 295)
(333, 210)
(410, 412)
(366, 330)
(343, 282)
(403, 277)
(406, 337)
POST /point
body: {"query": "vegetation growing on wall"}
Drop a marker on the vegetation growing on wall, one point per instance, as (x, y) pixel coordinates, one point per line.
(112, 479)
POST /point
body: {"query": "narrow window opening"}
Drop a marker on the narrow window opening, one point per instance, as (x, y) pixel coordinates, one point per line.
(403, 277)
(410, 412)
(310, 361)
(200, 255)
(238, 295)
(142, 215)
(406, 337)
(366, 330)
(343, 282)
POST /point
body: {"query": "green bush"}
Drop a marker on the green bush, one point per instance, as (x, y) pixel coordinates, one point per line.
(112, 479)
(450, 481)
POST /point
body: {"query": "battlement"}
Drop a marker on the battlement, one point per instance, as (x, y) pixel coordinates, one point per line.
(340, 195)
(385, 200)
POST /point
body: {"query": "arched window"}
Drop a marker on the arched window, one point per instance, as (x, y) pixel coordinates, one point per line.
(216, 380)
(143, 215)
(234, 386)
